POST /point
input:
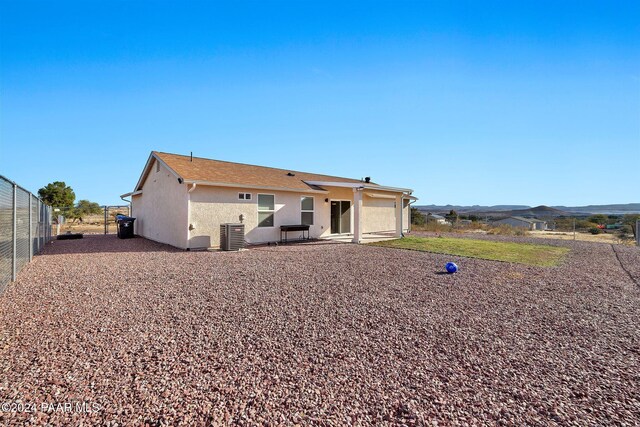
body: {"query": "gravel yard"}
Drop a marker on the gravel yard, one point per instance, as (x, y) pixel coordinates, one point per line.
(330, 334)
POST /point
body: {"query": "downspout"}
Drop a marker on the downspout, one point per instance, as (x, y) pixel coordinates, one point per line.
(193, 187)
(409, 206)
(402, 214)
(130, 205)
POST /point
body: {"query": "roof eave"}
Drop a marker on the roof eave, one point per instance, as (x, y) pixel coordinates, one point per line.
(147, 169)
(132, 193)
(254, 187)
(360, 185)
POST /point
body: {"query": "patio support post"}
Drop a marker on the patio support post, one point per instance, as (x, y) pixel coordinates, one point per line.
(357, 215)
(398, 232)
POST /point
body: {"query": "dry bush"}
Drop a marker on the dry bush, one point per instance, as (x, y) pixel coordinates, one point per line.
(434, 227)
(449, 228)
(508, 230)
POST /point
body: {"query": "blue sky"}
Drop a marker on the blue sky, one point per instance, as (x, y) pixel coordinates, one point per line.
(465, 102)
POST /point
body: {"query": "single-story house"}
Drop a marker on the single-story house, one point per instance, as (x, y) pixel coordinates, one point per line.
(518, 221)
(439, 219)
(183, 200)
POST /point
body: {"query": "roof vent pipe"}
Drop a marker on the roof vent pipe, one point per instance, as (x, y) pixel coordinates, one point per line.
(192, 156)
(367, 179)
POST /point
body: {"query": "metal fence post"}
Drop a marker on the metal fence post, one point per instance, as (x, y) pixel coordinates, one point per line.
(39, 224)
(47, 221)
(14, 255)
(638, 232)
(30, 227)
(41, 230)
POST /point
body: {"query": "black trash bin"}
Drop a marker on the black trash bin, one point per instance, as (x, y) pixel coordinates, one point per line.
(125, 227)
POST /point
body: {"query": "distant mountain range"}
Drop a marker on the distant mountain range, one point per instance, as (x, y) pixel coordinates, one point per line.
(540, 211)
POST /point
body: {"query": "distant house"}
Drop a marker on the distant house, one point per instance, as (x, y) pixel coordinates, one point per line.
(437, 218)
(183, 200)
(518, 221)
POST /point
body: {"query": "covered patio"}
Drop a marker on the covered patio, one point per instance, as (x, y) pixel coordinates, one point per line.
(368, 201)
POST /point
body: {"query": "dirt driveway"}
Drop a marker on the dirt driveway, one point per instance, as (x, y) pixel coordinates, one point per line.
(104, 331)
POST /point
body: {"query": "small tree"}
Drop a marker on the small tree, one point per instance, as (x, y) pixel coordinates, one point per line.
(57, 194)
(452, 216)
(630, 222)
(598, 219)
(84, 208)
(625, 232)
(417, 218)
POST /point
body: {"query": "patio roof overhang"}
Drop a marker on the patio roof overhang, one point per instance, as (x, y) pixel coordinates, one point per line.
(359, 185)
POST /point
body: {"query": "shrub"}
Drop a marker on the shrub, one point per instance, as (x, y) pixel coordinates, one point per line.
(507, 230)
(417, 218)
(595, 230)
(520, 231)
(433, 226)
(625, 232)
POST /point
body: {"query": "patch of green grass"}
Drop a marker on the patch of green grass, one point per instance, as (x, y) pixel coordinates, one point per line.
(523, 253)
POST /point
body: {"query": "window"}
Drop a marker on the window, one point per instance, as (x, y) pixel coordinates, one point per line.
(157, 166)
(266, 210)
(306, 210)
(244, 196)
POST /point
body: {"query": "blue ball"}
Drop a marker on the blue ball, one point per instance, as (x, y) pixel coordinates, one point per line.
(451, 267)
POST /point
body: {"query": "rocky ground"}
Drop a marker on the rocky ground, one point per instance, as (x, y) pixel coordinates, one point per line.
(128, 332)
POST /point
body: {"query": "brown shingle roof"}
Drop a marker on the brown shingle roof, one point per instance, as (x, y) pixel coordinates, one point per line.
(222, 172)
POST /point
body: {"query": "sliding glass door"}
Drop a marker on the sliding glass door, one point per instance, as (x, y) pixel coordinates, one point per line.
(340, 216)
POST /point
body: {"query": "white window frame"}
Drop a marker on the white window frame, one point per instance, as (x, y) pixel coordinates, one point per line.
(313, 211)
(244, 196)
(258, 211)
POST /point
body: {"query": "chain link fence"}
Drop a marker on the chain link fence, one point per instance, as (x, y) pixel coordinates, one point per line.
(25, 227)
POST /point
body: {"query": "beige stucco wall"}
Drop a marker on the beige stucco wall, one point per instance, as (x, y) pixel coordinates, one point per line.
(161, 209)
(211, 206)
(379, 214)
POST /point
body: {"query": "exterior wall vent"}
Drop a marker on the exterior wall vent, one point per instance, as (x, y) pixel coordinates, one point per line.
(231, 237)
